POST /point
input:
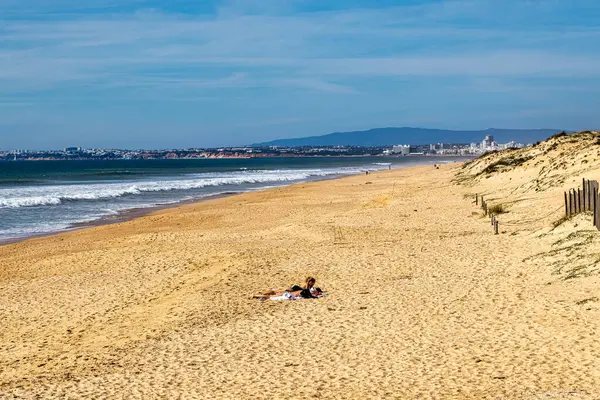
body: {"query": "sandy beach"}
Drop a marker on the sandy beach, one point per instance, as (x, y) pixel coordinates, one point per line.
(423, 300)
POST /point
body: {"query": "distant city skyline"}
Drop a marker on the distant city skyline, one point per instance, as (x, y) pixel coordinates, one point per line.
(77, 153)
(181, 74)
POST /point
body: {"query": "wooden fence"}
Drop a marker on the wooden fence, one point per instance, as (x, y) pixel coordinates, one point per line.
(494, 221)
(584, 199)
(580, 200)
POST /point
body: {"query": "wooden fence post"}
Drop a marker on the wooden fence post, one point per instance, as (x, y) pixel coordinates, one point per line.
(570, 202)
(587, 195)
(566, 206)
(579, 205)
(593, 185)
(595, 199)
(597, 211)
(583, 199)
(496, 227)
(476, 199)
(593, 202)
(588, 189)
(597, 208)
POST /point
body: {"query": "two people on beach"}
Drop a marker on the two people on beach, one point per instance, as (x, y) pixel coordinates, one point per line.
(294, 292)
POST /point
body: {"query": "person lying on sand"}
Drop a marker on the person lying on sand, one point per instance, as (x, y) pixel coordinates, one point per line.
(309, 291)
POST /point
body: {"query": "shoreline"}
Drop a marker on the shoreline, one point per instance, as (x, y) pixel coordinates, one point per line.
(137, 212)
(121, 216)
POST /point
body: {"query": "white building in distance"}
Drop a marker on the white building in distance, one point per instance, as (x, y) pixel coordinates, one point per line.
(402, 149)
(488, 142)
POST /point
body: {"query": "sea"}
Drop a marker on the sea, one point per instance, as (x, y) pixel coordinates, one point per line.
(43, 197)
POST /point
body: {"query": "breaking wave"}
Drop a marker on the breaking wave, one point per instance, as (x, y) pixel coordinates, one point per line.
(33, 196)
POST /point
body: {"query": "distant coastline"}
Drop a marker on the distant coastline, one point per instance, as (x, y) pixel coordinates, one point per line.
(241, 158)
(373, 142)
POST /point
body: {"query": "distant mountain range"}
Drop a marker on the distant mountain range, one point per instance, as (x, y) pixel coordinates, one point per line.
(414, 136)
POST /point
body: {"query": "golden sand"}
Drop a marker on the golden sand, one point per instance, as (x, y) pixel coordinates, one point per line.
(424, 301)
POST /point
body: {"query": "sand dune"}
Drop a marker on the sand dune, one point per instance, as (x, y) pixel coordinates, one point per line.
(424, 301)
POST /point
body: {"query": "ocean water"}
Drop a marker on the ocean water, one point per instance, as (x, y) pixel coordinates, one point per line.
(42, 197)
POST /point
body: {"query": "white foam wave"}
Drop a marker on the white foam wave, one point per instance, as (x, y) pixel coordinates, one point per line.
(33, 196)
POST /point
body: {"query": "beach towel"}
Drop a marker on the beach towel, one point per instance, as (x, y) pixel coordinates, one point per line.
(285, 296)
(291, 296)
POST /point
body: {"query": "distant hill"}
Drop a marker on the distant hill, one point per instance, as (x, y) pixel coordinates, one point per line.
(414, 136)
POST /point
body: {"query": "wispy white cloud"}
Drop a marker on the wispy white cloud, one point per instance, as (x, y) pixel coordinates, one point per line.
(314, 84)
(305, 49)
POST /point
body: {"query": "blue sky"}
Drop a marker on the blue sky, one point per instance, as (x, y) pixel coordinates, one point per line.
(183, 73)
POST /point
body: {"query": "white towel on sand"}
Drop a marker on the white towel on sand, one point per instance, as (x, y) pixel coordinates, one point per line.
(285, 296)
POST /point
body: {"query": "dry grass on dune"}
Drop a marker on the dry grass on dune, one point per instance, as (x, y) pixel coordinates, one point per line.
(555, 161)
